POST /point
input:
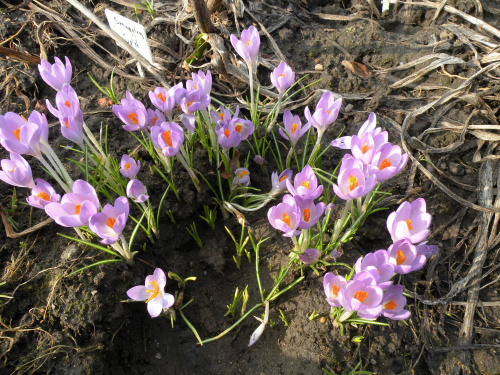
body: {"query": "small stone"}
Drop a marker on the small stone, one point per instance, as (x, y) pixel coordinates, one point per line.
(158, 356)
(348, 108)
(319, 67)
(456, 169)
(71, 252)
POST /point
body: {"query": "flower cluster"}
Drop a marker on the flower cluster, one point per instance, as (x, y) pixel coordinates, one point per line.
(135, 188)
(371, 293)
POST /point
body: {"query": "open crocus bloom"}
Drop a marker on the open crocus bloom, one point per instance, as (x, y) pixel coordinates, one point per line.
(169, 136)
(352, 181)
(241, 177)
(387, 161)
(363, 296)
(285, 216)
(16, 171)
(129, 167)
(227, 136)
(293, 127)
(55, 75)
(309, 212)
(132, 113)
(393, 303)
(410, 221)
(365, 147)
(369, 126)
(378, 262)
(75, 208)
(326, 112)
(334, 288)
(403, 255)
(19, 136)
(162, 99)
(305, 184)
(153, 293)
(109, 223)
(42, 194)
(282, 77)
(155, 118)
(200, 81)
(279, 182)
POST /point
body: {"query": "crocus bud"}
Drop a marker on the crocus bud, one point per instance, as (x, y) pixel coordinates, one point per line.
(137, 191)
(129, 167)
(248, 46)
(282, 77)
(55, 75)
(16, 171)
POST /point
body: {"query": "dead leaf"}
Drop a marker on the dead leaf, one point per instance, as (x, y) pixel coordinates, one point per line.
(357, 68)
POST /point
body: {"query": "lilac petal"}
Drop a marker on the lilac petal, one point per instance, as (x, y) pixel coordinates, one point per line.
(138, 293)
(155, 306)
(168, 300)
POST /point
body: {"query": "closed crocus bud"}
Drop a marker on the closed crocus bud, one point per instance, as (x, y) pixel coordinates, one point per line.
(241, 177)
(310, 256)
(248, 46)
(293, 127)
(109, 223)
(42, 194)
(129, 167)
(169, 136)
(258, 159)
(305, 184)
(137, 191)
(282, 77)
(326, 112)
(410, 221)
(16, 171)
(55, 75)
(426, 250)
(41, 120)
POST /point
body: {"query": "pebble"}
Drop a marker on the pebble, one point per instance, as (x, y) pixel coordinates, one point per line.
(71, 252)
(348, 108)
(322, 320)
(319, 67)
(158, 356)
(456, 169)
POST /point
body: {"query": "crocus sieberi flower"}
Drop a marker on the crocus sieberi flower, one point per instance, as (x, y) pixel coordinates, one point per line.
(387, 162)
(334, 288)
(326, 112)
(75, 208)
(42, 194)
(155, 117)
(129, 167)
(285, 216)
(16, 171)
(200, 81)
(282, 77)
(365, 147)
(41, 120)
(309, 212)
(162, 99)
(393, 303)
(241, 178)
(248, 45)
(279, 182)
(310, 256)
(137, 191)
(403, 255)
(227, 136)
(293, 127)
(243, 127)
(369, 126)
(410, 221)
(110, 223)
(153, 293)
(362, 295)
(378, 264)
(19, 136)
(352, 182)
(191, 101)
(132, 113)
(305, 184)
(222, 115)
(55, 75)
(169, 136)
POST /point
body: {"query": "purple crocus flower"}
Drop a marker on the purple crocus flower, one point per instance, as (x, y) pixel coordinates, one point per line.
(248, 46)
(305, 184)
(137, 191)
(169, 136)
(241, 178)
(243, 127)
(369, 126)
(42, 194)
(310, 256)
(155, 117)
(200, 81)
(227, 136)
(19, 136)
(223, 115)
(378, 262)
(162, 99)
(16, 171)
(426, 250)
(393, 303)
(129, 167)
(403, 255)
(41, 120)
(363, 296)
(110, 223)
(410, 221)
(365, 147)
(258, 159)
(325, 114)
(76, 208)
(293, 127)
(153, 293)
(191, 101)
(309, 212)
(387, 161)
(352, 182)
(334, 287)
(132, 113)
(285, 216)
(279, 182)
(282, 77)
(55, 75)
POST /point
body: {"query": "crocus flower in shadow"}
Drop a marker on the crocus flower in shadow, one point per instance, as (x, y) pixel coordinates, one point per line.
(310, 256)
(153, 293)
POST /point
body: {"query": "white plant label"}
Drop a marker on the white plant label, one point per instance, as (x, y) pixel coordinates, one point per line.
(132, 32)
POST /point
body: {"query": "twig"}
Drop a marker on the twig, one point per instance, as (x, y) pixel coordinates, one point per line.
(8, 227)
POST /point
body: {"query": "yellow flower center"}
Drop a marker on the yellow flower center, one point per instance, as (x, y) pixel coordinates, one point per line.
(154, 120)
(305, 184)
(238, 127)
(43, 195)
(282, 178)
(385, 163)
(66, 124)
(154, 292)
(127, 166)
(400, 259)
(353, 182)
(243, 174)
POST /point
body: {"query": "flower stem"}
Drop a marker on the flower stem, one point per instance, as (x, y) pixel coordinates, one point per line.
(275, 116)
(340, 222)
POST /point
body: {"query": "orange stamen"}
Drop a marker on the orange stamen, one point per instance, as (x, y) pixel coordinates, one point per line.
(13, 169)
(294, 127)
(306, 184)
(282, 75)
(154, 120)
(162, 97)
(221, 115)
(133, 117)
(306, 214)
(360, 295)
(285, 218)
(67, 104)
(400, 259)
(111, 222)
(335, 290)
(365, 148)
(127, 166)
(385, 163)
(238, 127)
(327, 112)
(391, 305)
(154, 292)
(248, 43)
(66, 123)
(227, 133)
(43, 196)
(167, 137)
(282, 178)
(77, 209)
(16, 133)
(189, 103)
(408, 222)
(353, 182)
(243, 174)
